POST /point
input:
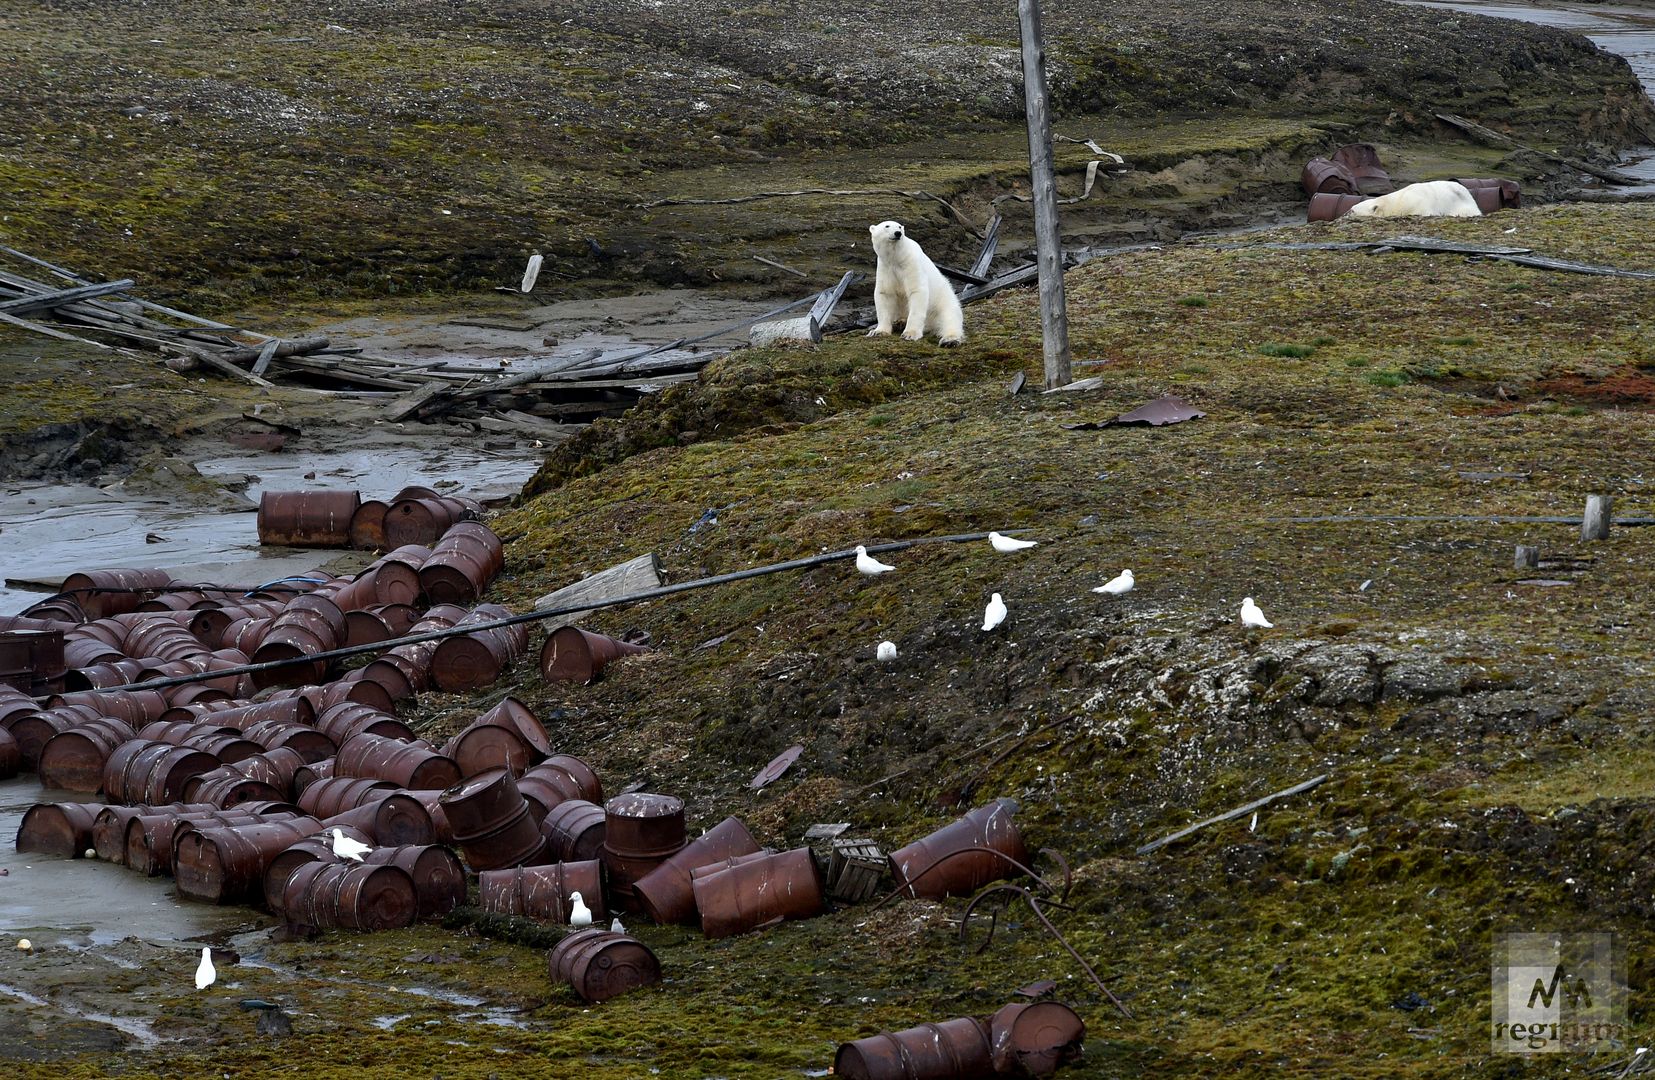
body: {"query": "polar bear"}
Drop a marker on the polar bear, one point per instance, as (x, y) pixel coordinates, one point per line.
(1435, 198)
(908, 286)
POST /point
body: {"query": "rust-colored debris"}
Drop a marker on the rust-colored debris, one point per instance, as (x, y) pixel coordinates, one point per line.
(667, 894)
(1018, 1040)
(1361, 163)
(1327, 207)
(491, 822)
(544, 892)
(307, 518)
(1158, 413)
(759, 890)
(962, 857)
(575, 655)
(773, 771)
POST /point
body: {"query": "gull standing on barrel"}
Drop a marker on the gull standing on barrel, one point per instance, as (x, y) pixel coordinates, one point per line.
(346, 848)
(1009, 543)
(870, 565)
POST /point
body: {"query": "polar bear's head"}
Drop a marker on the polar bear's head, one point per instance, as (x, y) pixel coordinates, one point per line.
(1364, 209)
(886, 235)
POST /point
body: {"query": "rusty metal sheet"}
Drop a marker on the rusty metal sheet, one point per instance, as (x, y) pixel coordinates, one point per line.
(780, 764)
(1158, 413)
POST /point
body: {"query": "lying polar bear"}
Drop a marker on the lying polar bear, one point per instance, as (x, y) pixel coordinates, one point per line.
(1434, 198)
(909, 286)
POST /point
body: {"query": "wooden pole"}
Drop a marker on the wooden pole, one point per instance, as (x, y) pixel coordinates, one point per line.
(1054, 312)
(1594, 523)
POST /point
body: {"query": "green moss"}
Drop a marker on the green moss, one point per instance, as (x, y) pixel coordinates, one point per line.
(1295, 352)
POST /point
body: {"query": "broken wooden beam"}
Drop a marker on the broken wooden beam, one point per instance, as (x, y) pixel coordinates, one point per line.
(624, 579)
(991, 241)
(47, 300)
(1228, 815)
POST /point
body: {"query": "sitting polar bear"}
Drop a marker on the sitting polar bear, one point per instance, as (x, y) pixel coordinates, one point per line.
(1435, 198)
(909, 286)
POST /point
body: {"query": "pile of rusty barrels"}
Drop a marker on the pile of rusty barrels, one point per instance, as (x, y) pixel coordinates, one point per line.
(1353, 174)
(414, 516)
(1021, 1039)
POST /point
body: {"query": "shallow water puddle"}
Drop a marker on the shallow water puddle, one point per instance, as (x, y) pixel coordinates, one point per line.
(138, 1029)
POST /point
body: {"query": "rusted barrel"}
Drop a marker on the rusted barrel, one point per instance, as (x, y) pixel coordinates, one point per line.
(307, 774)
(491, 822)
(943, 863)
(573, 831)
(397, 820)
(640, 831)
(228, 788)
(275, 767)
(73, 760)
(396, 576)
(381, 622)
(338, 692)
(310, 624)
(666, 894)
(575, 771)
(62, 610)
(575, 655)
(328, 796)
(110, 825)
(543, 892)
(307, 518)
(317, 848)
(350, 895)
(33, 730)
(424, 520)
(1362, 161)
(141, 771)
(1329, 207)
(13, 704)
(367, 532)
(1510, 192)
(724, 864)
(151, 837)
(191, 693)
(439, 879)
(413, 662)
(408, 764)
(1034, 1039)
(109, 669)
(220, 740)
(508, 736)
(432, 801)
(11, 759)
(600, 965)
(57, 829)
(393, 675)
(226, 865)
(349, 718)
(462, 564)
(1323, 176)
(290, 710)
(478, 660)
(952, 1050)
(135, 707)
(101, 593)
(310, 744)
(787, 885)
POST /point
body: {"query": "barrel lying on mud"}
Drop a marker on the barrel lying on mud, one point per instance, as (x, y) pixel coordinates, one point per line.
(350, 896)
(307, 518)
(57, 829)
(667, 894)
(952, 1050)
(152, 838)
(1033, 1039)
(408, 764)
(102, 593)
(226, 865)
(439, 879)
(755, 891)
(491, 822)
(600, 965)
(543, 892)
(508, 736)
(73, 760)
(140, 771)
(946, 863)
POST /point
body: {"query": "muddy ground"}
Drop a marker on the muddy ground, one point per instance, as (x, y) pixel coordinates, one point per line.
(1377, 427)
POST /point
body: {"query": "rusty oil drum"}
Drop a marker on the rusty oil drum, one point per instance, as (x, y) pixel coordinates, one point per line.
(944, 864)
(367, 531)
(110, 825)
(508, 736)
(150, 837)
(667, 894)
(439, 878)
(317, 848)
(574, 831)
(307, 518)
(332, 795)
(1326, 207)
(135, 707)
(396, 576)
(476, 660)
(462, 564)
(1033, 1039)
(786, 885)
(11, 759)
(140, 771)
(33, 730)
(491, 822)
(600, 965)
(124, 589)
(348, 718)
(57, 829)
(565, 777)
(951, 1050)
(575, 655)
(350, 895)
(1321, 176)
(641, 831)
(543, 892)
(73, 760)
(396, 820)
(407, 764)
(226, 865)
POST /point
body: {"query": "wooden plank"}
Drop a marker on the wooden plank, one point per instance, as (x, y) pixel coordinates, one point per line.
(210, 358)
(780, 266)
(41, 301)
(963, 276)
(829, 299)
(624, 579)
(409, 404)
(285, 347)
(40, 328)
(991, 241)
(1228, 815)
(78, 279)
(266, 354)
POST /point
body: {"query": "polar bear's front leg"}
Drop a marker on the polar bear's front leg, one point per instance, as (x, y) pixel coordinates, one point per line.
(919, 305)
(884, 308)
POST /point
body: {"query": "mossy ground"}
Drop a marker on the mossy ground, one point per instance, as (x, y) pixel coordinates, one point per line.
(1349, 933)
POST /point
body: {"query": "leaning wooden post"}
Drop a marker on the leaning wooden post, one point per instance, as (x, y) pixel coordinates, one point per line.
(1595, 524)
(1054, 311)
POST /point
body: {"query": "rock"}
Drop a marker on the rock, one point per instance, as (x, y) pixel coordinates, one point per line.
(1421, 678)
(274, 1023)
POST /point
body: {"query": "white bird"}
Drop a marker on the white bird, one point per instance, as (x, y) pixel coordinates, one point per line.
(205, 973)
(346, 848)
(1252, 616)
(615, 926)
(1009, 543)
(25, 945)
(579, 913)
(868, 564)
(885, 652)
(1115, 586)
(994, 614)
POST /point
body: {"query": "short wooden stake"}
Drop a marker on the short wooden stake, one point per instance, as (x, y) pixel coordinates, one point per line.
(1528, 557)
(1595, 524)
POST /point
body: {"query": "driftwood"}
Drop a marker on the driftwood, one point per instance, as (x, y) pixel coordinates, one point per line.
(46, 301)
(1228, 815)
(851, 193)
(822, 309)
(1521, 256)
(1493, 138)
(780, 266)
(985, 256)
(633, 576)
